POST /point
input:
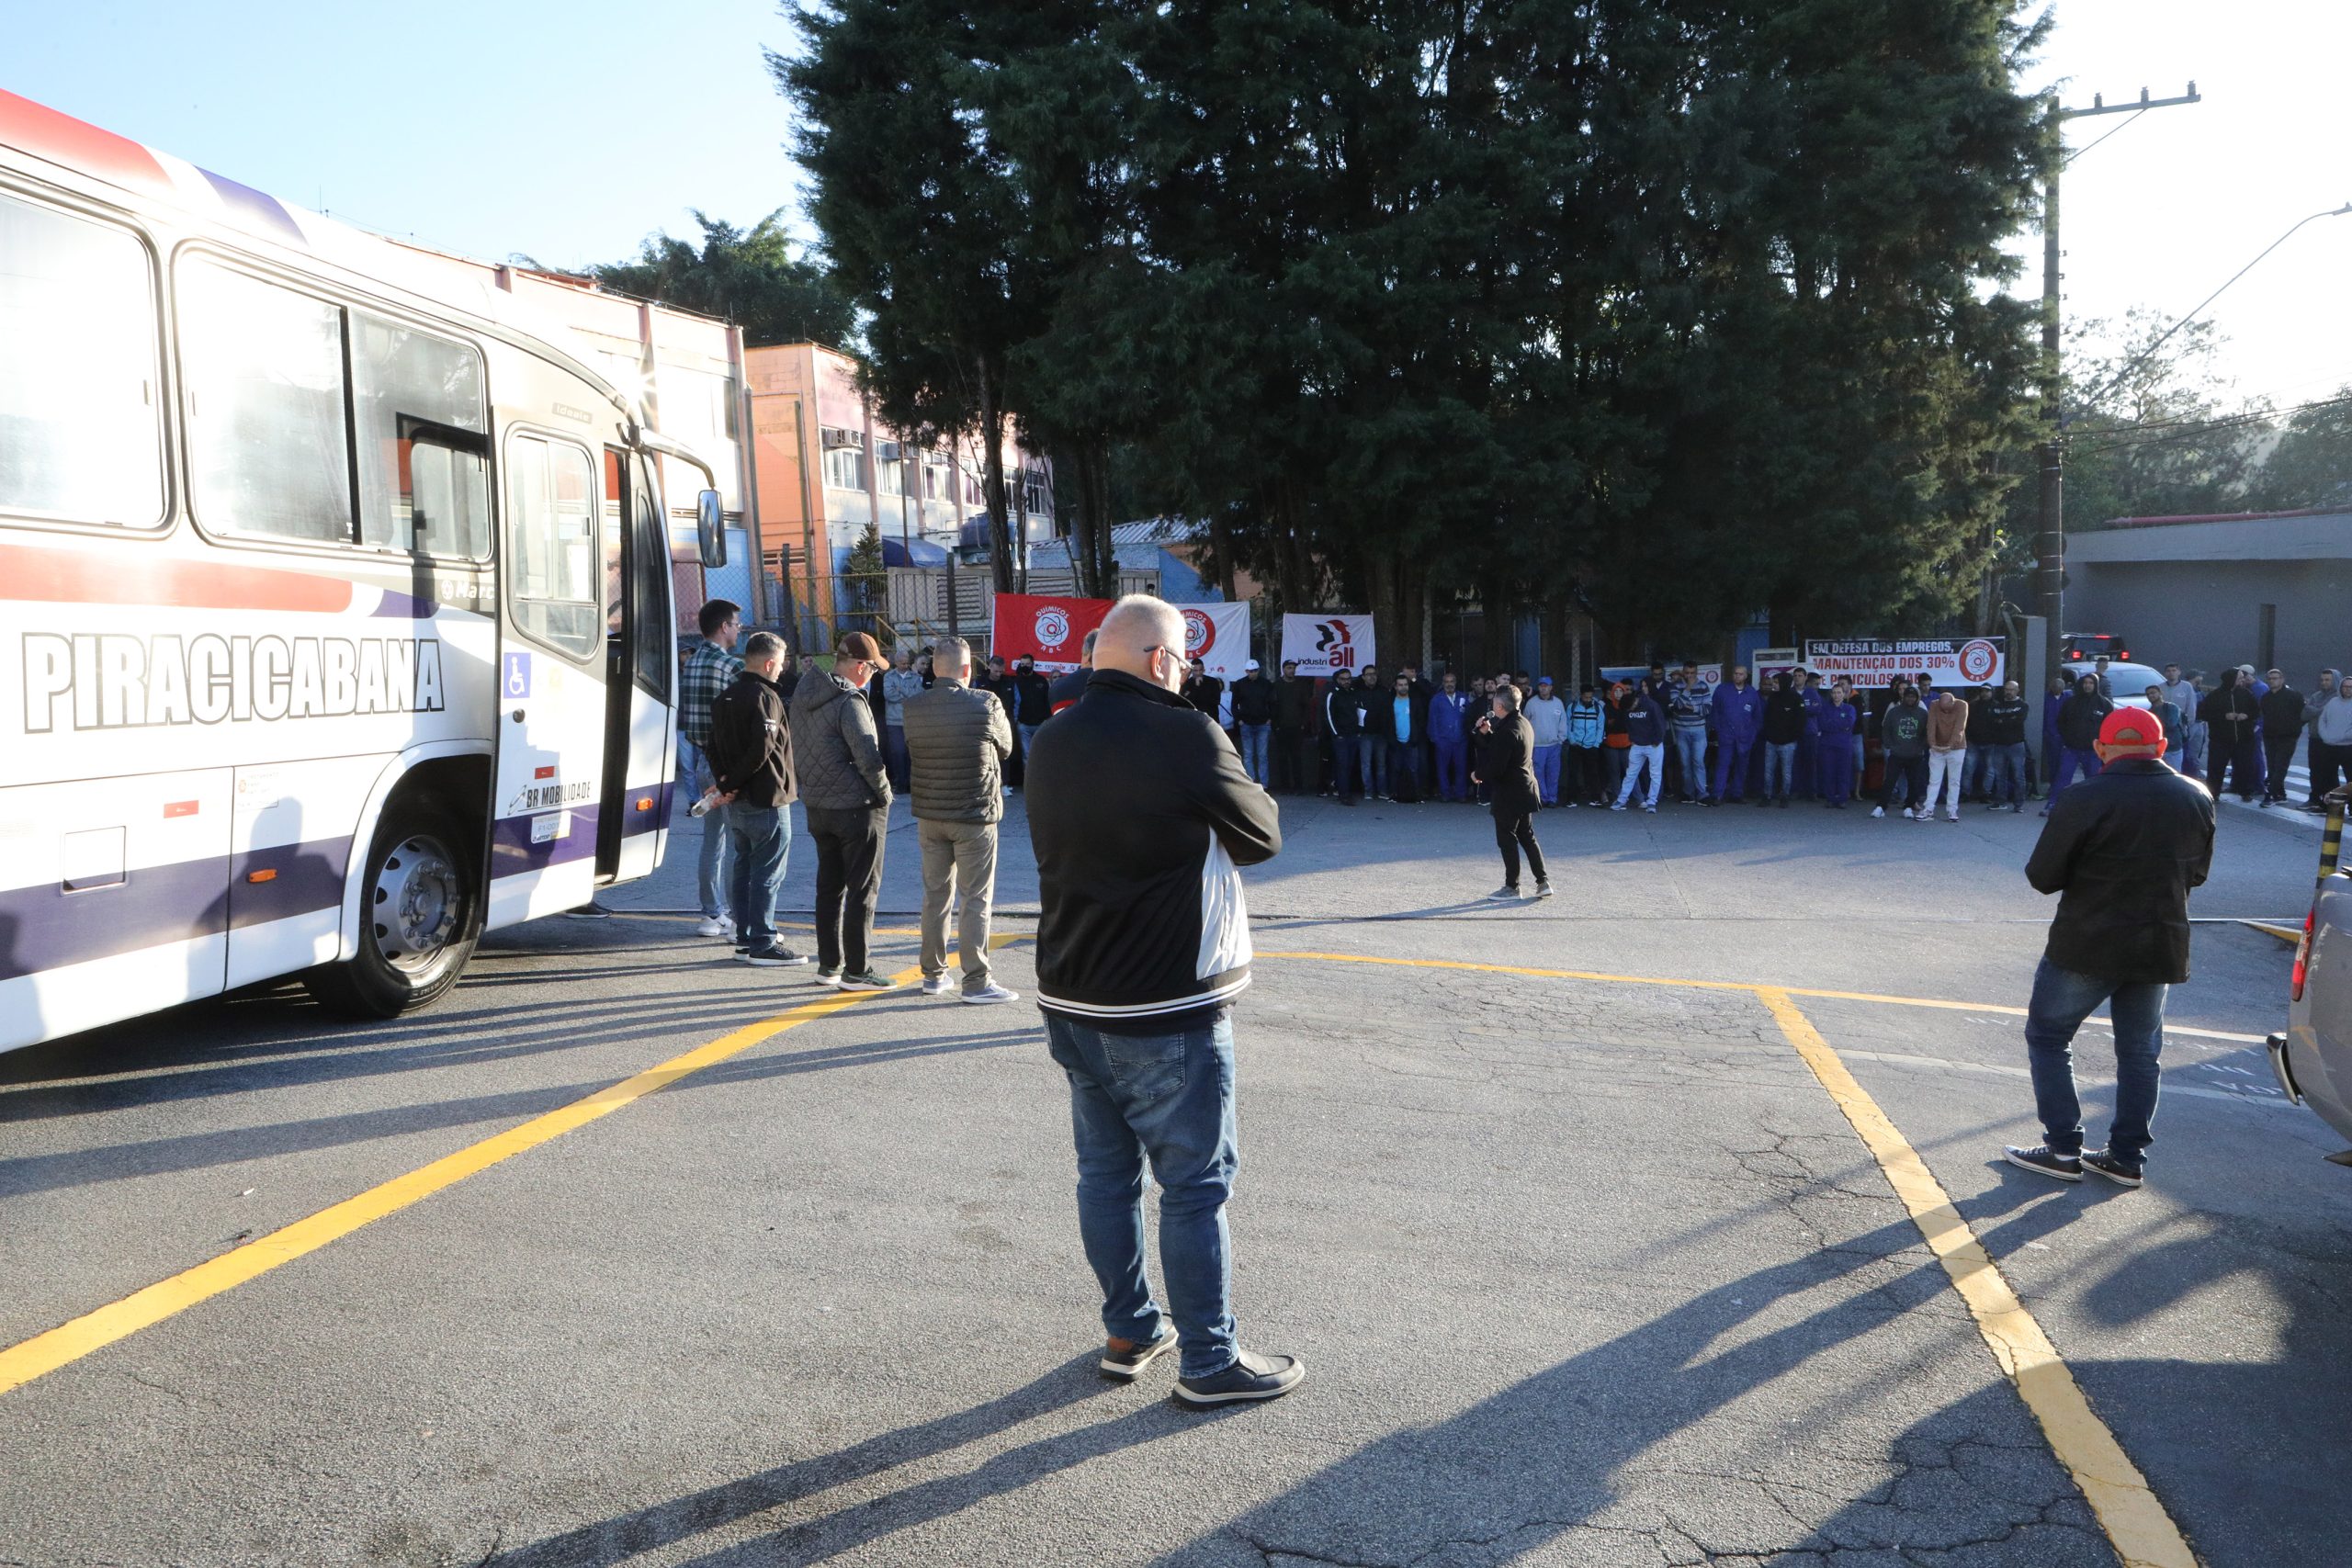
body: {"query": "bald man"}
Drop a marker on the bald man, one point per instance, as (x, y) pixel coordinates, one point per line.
(2123, 846)
(1141, 816)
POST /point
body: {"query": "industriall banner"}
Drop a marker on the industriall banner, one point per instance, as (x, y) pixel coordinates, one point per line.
(1323, 645)
(1049, 630)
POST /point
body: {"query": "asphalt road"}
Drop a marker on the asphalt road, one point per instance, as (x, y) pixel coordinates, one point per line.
(1585, 1271)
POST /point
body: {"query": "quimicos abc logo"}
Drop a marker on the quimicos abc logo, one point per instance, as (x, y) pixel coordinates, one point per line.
(1200, 635)
(1053, 627)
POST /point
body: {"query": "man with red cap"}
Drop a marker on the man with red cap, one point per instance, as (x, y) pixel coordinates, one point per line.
(2124, 847)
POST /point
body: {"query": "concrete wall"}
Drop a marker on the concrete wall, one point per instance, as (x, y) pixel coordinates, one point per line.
(2204, 614)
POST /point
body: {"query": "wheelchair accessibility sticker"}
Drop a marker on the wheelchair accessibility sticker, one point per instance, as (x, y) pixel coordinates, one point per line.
(517, 680)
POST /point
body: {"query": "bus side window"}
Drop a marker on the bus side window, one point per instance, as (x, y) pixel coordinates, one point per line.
(81, 405)
(423, 488)
(553, 570)
(649, 586)
(267, 441)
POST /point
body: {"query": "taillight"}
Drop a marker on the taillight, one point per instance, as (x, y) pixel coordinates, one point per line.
(2303, 958)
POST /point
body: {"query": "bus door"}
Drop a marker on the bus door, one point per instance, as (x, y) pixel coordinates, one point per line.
(640, 669)
(552, 689)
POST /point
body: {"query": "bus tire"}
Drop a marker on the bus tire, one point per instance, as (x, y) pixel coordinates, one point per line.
(421, 908)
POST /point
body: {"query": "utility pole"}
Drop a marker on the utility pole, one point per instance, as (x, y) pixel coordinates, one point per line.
(2049, 545)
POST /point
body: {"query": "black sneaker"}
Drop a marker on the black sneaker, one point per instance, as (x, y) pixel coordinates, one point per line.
(770, 957)
(1125, 1364)
(866, 980)
(828, 976)
(1251, 1376)
(2123, 1172)
(2042, 1162)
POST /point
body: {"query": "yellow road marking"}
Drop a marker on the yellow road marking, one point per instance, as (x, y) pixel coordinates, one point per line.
(45, 1352)
(2142, 1532)
(2287, 935)
(1938, 1002)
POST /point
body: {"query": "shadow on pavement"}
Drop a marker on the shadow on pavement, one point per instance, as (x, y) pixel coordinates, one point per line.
(626, 1535)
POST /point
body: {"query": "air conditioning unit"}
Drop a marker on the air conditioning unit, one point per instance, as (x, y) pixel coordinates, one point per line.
(834, 436)
(886, 451)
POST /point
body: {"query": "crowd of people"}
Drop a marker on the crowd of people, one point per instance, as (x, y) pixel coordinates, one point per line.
(1141, 814)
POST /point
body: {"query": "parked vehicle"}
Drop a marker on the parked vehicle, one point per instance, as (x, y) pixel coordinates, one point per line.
(2087, 646)
(2313, 1059)
(2128, 683)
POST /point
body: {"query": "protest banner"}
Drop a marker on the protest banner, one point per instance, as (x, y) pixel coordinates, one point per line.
(1710, 675)
(1866, 662)
(1049, 630)
(1325, 644)
(1218, 635)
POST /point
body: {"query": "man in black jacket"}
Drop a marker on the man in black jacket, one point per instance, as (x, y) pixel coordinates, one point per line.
(1507, 767)
(2230, 715)
(751, 762)
(1342, 727)
(1298, 737)
(2079, 717)
(2123, 847)
(1140, 816)
(1253, 716)
(2283, 726)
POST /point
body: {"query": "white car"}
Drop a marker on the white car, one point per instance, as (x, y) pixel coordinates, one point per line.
(2127, 685)
(2314, 1057)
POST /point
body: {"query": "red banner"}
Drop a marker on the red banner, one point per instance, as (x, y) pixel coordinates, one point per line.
(1048, 630)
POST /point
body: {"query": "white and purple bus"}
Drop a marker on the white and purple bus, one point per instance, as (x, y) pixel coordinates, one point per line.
(335, 600)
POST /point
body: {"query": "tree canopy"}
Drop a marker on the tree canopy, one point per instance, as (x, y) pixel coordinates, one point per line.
(1674, 312)
(750, 276)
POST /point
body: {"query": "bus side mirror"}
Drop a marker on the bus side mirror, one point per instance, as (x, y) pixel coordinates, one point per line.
(710, 529)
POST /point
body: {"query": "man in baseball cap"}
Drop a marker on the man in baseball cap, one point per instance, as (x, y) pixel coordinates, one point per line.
(2124, 847)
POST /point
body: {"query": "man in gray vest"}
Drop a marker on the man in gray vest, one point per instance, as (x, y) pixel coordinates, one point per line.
(957, 740)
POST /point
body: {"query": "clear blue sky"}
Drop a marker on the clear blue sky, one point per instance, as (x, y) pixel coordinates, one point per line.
(570, 134)
(564, 132)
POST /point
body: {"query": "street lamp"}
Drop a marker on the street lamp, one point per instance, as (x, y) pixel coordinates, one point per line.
(2141, 357)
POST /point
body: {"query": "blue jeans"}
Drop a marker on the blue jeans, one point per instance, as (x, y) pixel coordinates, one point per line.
(1344, 766)
(1405, 767)
(760, 839)
(1731, 765)
(1690, 759)
(2004, 773)
(1167, 1097)
(1253, 753)
(710, 871)
(2061, 999)
(1373, 754)
(895, 760)
(1453, 770)
(1547, 774)
(1780, 769)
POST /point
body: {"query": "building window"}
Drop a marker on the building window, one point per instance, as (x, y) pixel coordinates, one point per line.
(1036, 498)
(844, 469)
(81, 414)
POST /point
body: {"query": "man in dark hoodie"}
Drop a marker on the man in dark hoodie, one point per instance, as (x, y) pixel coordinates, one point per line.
(1342, 727)
(1784, 716)
(751, 763)
(2079, 717)
(1904, 733)
(845, 796)
(2232, 713)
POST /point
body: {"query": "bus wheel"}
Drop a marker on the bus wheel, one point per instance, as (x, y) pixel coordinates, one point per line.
(420, 913)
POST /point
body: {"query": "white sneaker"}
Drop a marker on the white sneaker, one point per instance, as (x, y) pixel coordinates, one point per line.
(716, 925)
(1878, 810)
(1951, 815)
(939, 984)
(1909, 815)
(1619, 806)
(991, 992)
